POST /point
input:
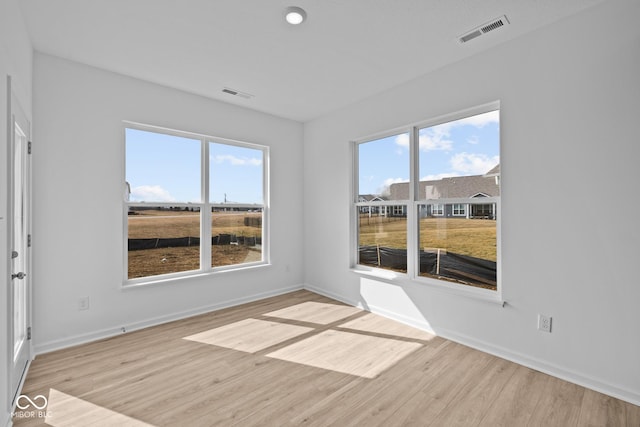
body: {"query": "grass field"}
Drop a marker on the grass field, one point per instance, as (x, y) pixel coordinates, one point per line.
(170, 224)
(473, 237)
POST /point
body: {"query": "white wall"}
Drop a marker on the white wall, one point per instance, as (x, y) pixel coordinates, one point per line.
(78, 195)
(570, 103)
(16, 56)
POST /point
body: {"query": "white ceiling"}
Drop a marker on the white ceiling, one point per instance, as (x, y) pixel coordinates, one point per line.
(346, 51)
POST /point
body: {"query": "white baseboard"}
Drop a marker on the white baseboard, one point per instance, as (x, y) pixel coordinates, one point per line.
(630, 396)
(332, 295)
(117, 330)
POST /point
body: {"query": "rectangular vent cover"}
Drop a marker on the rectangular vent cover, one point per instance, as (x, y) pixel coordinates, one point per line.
(237, 93)
(483, 29)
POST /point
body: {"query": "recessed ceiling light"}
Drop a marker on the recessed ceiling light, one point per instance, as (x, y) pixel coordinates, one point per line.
(295, 15)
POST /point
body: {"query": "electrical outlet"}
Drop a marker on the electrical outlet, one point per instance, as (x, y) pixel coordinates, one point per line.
(544, 323)
(83, 303)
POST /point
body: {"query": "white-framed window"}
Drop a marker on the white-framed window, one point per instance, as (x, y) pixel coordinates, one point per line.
(398, 211)
(194, 204)
(459, 209)
(449, 237)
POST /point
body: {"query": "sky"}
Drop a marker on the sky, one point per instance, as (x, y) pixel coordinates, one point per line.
(469, 146)
(167, 168)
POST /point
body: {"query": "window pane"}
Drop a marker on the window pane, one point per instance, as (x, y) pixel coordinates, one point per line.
(382, 230)
(236, 174)
(162, 168)
(381, 163)
(458, 249)
(163, 240)
(460, 160)
(236, 236)
(382, 237)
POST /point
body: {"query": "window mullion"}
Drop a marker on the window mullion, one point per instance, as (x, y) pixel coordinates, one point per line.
(205, 212)
(266, 204)
(412, 221)
(354, 211)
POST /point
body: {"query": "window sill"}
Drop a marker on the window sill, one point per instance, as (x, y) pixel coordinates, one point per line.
(381, 274)
(181, 277)
(465, 291)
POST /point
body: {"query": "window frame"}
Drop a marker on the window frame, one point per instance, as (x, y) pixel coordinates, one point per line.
(204, 205)
(459, 209)
(377, 205)
(437, 209)
(413, 204)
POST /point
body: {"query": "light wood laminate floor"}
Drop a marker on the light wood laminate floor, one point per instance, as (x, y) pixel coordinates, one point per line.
(300, 359)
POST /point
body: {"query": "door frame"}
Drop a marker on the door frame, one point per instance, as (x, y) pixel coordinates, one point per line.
(15, 113)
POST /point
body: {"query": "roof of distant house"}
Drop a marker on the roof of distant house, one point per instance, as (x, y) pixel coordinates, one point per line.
(452, 187)
(371, 198)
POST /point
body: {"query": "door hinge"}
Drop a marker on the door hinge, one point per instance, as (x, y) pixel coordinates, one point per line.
(29, 333)
(29, 147)
(28, 240)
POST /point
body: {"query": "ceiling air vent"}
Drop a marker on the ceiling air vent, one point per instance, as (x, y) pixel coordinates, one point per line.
(483, 29)
(237, 93)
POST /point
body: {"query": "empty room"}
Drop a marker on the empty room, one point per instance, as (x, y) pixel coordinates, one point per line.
(349, 213)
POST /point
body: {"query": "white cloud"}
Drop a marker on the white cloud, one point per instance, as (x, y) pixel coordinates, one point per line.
(438, 176)
(151, 193)
(473, 140)
(437, 137)
(237, 161)
(403, 140)
(435, 141)
(431, 139)
(473, 164)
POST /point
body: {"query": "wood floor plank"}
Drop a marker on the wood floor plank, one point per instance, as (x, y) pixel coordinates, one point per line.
(248, 376)
(460, 368)
(559, 404)
(517, 401)
(361, 397)
(470, 405)
(600, 410)
(315, 312)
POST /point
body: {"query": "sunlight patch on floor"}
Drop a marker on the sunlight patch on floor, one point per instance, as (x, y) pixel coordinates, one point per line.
(315, 312)
(249, 335)
(66, 410)
(349, 353)
(381, 325)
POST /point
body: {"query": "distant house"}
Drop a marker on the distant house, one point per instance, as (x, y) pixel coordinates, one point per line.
(459, 187)
(370, 198)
